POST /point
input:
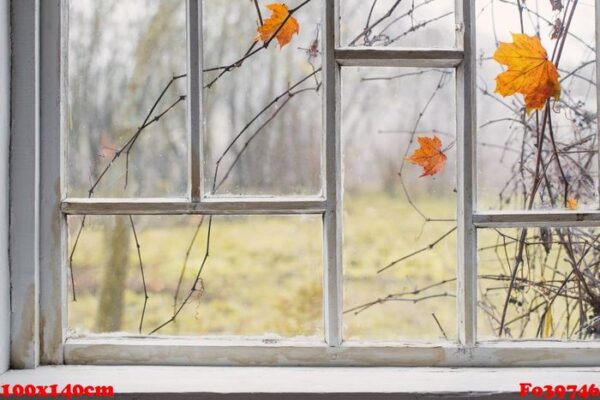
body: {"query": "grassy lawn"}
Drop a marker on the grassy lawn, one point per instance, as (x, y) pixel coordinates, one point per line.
(263, 276)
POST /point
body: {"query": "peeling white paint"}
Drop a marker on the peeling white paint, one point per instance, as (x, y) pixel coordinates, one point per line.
(53, 249)
(239, 352)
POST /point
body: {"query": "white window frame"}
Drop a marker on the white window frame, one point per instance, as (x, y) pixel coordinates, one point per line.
(38, 276)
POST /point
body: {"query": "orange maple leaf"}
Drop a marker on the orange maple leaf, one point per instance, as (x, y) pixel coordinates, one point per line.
(279, 15)
(572, 203)
(429, 156)
(530, 72)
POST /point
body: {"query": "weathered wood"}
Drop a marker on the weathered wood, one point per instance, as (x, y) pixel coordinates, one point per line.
(194, 97)
(536, 218)
(53, 232)
(4, 182)
(24, 191)
(229, 206)
(466, 131)
(332, 220)
(387, 57)
(181, 351)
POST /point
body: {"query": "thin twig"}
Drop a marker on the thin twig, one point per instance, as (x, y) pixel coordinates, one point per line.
(439, 326)
(421, 250)
(148, 121)
(141, 264)
(253, 51)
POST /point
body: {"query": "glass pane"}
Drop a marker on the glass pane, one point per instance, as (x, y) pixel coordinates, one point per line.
(510, 173)
(391, 211)
(545, 279)
(262, 278)
(262, 117)
(121, 54)
(415, 23)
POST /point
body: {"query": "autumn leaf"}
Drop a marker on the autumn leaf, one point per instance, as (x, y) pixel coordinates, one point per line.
(572, 203)
(530, 72)
(279, 15)
(429, 156)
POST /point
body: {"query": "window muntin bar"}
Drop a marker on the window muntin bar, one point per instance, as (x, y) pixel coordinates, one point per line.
(194, 96)
(183, 206)
(332, 218)
(490, 219)
(378, 57)
(466, 127)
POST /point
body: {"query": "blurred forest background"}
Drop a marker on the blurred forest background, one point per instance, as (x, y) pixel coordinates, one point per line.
(264, 274)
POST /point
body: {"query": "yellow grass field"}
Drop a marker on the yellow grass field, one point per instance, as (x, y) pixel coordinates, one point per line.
(263, 276)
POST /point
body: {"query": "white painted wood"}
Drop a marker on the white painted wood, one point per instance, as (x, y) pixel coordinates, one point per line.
(309, 205)
(225, 206)
(536, 218)
(466, 130)
(181, 351)
(4, 189)
(388, 57)
(301, 383)
(332, 219)
(53, 244)
(24, 191)
(193, 99)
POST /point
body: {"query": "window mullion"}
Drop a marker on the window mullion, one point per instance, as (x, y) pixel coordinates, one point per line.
(53, 225)
(332, 276)
(194, 103)
(466, 128)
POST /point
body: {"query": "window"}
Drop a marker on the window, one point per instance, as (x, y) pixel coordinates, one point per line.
(227, 198)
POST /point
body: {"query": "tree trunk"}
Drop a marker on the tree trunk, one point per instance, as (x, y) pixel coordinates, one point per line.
(112, 292)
